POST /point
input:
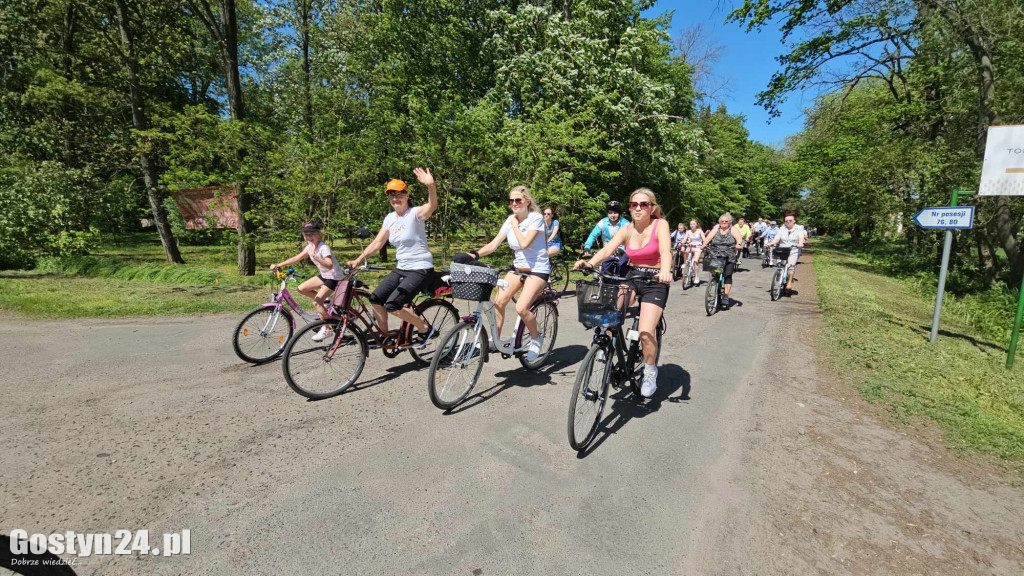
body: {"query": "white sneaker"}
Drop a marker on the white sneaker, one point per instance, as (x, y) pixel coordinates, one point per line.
(650, 381)
(600, 356)
(534, 350)
(323, 333)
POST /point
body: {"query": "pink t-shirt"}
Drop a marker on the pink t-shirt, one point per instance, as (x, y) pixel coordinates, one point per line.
(322, 251)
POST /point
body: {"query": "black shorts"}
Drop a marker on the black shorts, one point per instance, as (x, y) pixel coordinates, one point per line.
(542, 275)
(332, 284)
(399, 287)
(656, 294)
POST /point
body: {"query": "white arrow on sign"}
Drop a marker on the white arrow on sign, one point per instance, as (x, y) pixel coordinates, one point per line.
(946, 217)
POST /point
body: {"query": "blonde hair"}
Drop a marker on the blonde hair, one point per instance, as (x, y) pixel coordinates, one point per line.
(655, 207)
(530, 202)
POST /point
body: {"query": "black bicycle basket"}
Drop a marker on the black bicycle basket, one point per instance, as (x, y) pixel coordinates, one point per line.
(472, 282)
(715, 260)
(602, 303)
(781, 253)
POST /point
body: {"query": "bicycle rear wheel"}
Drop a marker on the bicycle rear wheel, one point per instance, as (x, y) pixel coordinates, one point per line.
(547, 324)
(319, 370)
(776, 288)
(262, 334)
(456, 365)
(711, 295)
(559, 279)
(442, 315)
(589, 394)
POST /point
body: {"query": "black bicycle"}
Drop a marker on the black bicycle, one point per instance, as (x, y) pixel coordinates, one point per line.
(714, 295)
(614, 357)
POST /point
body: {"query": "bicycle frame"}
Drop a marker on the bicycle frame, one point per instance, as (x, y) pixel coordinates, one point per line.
(283, 298)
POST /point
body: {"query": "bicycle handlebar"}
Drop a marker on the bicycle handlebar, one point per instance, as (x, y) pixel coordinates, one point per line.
(646, 277)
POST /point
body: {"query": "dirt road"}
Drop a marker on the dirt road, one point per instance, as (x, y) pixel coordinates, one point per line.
(734, 467)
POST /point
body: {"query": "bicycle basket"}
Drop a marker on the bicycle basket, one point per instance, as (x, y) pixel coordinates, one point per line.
(342, 293)
(472, 282)
(782, 253)
(715, 261)
(601, 304)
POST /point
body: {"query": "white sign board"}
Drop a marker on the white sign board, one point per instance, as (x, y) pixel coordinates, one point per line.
(947, 217)
(1002, 174)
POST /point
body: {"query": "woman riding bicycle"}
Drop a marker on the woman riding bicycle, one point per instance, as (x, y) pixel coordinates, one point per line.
(725, 239)
(648, 246)
(524, 230)
(321, 285)
(404, 229)
(552, 232)
(791, 235)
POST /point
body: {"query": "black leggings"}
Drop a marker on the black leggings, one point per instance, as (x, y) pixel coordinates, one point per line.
(727, 271)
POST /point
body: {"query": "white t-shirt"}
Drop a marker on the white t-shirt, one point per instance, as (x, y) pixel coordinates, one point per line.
(790, 238)
(408, 234)
(322, 251)
(534, 256)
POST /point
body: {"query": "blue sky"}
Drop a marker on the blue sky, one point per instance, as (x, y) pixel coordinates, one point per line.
(747, 62)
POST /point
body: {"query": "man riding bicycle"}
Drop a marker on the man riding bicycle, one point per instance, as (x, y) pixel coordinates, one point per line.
(769, 235)
(606, 229)
(745, 233)
(793, 236)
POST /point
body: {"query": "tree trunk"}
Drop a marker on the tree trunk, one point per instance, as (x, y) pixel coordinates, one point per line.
(68, 105)
(223, 26)
(307, 76)
(150, 175)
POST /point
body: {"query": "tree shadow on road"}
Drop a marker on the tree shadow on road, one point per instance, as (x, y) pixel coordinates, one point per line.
(625, 407)
(561, 359)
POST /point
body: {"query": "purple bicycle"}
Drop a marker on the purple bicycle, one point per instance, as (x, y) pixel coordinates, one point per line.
(262, 334)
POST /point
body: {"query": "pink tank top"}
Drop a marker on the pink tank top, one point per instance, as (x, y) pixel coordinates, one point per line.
(648, 255)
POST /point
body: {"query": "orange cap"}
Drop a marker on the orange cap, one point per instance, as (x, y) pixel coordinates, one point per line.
(395, 184)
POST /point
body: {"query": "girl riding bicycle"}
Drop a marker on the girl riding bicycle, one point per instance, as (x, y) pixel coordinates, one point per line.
(320, 286)
(695, 238)
(553, 232)
(648, 246)
(404, 228)
(524, 230)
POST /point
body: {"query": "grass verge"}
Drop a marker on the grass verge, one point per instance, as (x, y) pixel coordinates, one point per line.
(877, 332)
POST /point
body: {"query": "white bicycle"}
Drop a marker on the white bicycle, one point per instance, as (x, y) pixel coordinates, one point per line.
(464, 348)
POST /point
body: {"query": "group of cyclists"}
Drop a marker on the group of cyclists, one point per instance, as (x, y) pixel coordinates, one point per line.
(638, 248)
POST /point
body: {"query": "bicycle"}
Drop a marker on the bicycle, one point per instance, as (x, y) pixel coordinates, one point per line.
(464, 348)
(782, 272)
(311, 368)
(614, 357)
(260, 335)
(715, 292)
(766, 258)
(559, 277)
(691, 279)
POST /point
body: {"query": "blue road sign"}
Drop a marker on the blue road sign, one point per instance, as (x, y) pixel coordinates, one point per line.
(946, 217)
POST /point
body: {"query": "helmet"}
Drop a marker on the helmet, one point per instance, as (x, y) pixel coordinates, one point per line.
(615, 206)
(396, 185)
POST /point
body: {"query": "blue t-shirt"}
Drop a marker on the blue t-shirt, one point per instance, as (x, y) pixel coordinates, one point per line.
(547, 232)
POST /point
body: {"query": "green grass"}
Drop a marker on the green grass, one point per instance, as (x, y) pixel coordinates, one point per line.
(877, 328)
(127, 276)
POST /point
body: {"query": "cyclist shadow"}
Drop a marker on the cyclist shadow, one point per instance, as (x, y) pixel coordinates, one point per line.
(561, 358)
(672, 378)
(392, 373)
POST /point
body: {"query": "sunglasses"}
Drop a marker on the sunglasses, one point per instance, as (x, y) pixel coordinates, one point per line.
(635, 205)
(515, 201)
(548, 214)
(393, 193)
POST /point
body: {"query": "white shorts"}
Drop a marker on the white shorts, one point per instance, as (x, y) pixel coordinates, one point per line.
(794, 255)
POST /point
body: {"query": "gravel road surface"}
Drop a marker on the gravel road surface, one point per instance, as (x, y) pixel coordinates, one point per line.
(154, 424)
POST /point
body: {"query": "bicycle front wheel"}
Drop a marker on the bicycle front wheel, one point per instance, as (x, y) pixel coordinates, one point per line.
(711, 295)
(547, 324)
(262, 334)
(456, 365)
(327, 368)
(589, 394)
(776, 288)
(442, 315)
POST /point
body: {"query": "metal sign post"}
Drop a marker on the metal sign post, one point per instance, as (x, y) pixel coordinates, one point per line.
(950, 220)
